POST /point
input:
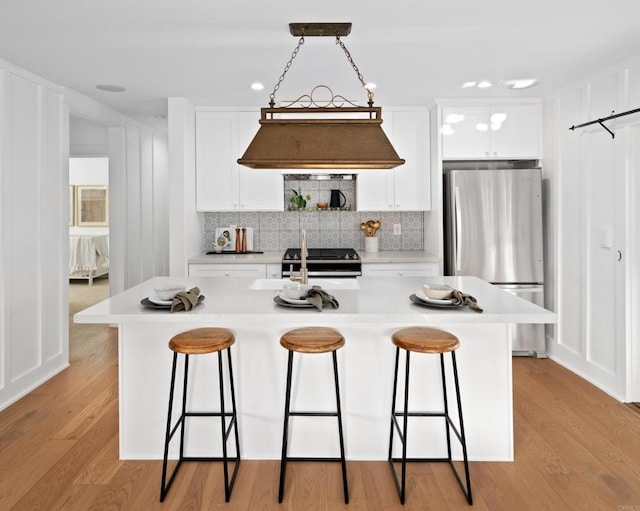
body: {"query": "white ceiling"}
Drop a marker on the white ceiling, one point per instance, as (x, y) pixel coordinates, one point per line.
(211, 51)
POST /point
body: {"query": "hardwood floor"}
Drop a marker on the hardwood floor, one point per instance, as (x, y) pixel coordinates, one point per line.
(576, 448)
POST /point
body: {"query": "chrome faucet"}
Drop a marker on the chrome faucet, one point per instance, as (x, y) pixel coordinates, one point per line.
(303, 274)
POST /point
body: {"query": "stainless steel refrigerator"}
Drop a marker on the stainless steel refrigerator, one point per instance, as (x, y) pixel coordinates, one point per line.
(493, 230)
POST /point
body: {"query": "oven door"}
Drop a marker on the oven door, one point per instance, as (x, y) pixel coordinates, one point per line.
(326, 269)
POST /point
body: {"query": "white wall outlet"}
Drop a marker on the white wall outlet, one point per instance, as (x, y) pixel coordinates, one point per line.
(397, 229)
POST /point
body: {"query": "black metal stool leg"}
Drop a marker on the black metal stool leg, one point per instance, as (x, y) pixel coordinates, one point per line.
(393, 410)
(463, 439)
(339, 411)
(225, 466)
(164, 488)
(394, 423)
(445, 398)
(233, 423)
(404, 428)
(184, 406)
(283, 459)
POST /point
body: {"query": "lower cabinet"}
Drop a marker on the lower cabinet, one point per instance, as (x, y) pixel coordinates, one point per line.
(258, 271)
(400, 270)
(274, 271)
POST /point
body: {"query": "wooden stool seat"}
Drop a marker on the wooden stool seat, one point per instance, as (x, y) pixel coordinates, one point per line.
(202, 340)
(425, 340)
(312, 339)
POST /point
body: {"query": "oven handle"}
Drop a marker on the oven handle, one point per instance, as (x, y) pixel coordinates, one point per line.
(287, 273)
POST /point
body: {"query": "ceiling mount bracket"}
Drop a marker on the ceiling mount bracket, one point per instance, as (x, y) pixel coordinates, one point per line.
(320, 29)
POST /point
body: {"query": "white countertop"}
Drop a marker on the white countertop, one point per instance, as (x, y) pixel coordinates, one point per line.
(269, 257)
(379, 300)
(275, 257)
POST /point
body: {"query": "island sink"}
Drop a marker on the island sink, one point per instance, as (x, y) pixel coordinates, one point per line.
(326, 284)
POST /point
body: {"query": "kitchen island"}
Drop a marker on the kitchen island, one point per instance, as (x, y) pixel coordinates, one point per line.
(371, 309)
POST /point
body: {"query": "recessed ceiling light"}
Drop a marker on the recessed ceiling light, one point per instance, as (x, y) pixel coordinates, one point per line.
(521, 84)
(484, 84)
(467, 85)
(110, 88)
(257, 86)
(454, 118)
(447, 129)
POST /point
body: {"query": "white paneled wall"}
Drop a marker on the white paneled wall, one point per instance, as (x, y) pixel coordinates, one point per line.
(590, 228)
(34, 210)
(34, 232)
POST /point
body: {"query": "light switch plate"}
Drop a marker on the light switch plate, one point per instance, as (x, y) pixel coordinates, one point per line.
(605, 237)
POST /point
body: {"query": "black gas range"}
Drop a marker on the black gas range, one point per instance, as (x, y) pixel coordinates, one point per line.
(324, 262)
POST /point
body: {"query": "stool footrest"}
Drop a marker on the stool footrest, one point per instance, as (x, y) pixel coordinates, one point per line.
(208, 414)
(209, 458)
(424, 460)
(302, 458)
(313, 414)
(424, 414)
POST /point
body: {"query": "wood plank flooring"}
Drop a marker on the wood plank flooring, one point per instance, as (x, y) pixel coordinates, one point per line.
(575, 448)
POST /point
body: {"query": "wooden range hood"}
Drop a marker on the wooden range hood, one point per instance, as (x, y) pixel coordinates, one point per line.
(321, 137)
(320, 143)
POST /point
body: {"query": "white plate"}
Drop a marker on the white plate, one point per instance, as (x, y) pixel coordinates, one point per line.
(421, 296)
(296, 301)
(157, 301)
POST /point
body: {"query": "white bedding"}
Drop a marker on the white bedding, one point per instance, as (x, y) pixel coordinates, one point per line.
(88, 254)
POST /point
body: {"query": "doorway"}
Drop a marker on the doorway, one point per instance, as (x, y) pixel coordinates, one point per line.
(89, 261)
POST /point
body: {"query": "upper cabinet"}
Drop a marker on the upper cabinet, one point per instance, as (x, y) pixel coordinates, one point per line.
(495, 132)
(222, 184)
(407, 187)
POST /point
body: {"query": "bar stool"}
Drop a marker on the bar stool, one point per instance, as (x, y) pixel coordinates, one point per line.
(201, 341)
(432, 341)
(311, 340)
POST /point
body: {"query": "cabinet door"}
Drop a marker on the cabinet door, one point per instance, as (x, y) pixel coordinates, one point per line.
(228, 270)
(274, 271)
(518, 135)
(374, 188)
(260, 190)
(496, 132)
(465, 132)
(412, 181)
(407, 187)
(216, 154)
(400, 270)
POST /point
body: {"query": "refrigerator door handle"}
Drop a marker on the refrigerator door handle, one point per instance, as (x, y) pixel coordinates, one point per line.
(458, 226)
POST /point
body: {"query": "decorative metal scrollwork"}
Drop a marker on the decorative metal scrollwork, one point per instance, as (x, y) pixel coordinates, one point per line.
(309, 101)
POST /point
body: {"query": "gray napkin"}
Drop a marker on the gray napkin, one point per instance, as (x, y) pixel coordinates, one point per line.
(185, 300)
(318, 297)
(462, 298)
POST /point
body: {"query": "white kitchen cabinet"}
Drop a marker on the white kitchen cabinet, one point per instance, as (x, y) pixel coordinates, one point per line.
(274, 271)
(407, 187)
(400, 270)
(222, 184)
(500, 131)
(258, 271)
